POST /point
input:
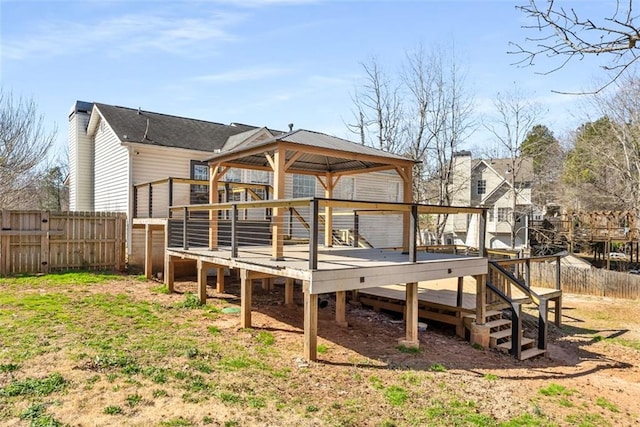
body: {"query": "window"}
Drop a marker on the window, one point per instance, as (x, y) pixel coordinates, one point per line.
(481, 186)
(199, 192)
(258, 177)
(504, 214)
(232, 175)
(304, 186)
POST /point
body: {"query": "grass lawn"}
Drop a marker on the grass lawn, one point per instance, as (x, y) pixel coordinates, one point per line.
(104, 349)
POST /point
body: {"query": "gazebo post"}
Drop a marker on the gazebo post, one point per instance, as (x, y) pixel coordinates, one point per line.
(277, 233)
(328, 210)
(214, 178)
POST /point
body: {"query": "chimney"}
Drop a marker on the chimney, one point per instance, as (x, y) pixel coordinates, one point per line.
(290, 127)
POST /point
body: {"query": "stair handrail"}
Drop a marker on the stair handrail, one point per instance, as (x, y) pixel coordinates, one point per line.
(521, 285)
(516, 314)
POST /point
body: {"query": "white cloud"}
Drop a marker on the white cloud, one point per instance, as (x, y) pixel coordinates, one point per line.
(128, 33)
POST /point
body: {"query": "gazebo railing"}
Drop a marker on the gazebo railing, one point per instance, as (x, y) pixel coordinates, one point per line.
(312, 221)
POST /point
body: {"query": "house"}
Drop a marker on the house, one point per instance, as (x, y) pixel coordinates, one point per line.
(503, 187)
(229, 197)
(121, 158)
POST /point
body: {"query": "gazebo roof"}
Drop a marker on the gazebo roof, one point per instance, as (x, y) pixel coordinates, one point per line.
(311, 153)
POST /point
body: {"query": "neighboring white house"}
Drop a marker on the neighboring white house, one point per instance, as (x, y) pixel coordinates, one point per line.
(112, 149)
(487, 183)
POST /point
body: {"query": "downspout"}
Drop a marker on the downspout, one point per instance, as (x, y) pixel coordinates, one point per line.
(130, 204)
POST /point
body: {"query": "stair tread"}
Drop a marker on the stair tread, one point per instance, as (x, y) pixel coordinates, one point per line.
(489, 313)
(503, 333)
(531, 352)
(523, 342)
(498, 322)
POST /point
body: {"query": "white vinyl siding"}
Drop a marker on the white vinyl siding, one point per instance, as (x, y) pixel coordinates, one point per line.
(111, 181)
(152, 164)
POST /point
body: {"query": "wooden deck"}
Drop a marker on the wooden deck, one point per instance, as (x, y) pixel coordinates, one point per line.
(437, 299)
(341, 268)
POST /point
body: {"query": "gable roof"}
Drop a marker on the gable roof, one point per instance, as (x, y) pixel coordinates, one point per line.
(146, 127)
(501, 167)
(318, 153)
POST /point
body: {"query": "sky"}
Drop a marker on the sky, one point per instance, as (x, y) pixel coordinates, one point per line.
(265, 62)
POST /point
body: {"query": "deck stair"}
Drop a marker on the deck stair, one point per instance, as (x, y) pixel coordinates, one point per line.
(508, 334)
(501, 334)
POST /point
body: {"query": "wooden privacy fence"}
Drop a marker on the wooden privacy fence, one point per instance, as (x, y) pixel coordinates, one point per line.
(43, 241)
(587, 281)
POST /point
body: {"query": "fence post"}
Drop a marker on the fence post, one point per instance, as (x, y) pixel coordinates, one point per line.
(44, 242)
(5, 242)
(527, 272)
(558, 284)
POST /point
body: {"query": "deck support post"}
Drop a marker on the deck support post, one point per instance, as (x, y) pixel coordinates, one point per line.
(310, 323)
(202, 281)
(558, 311)
(542, 323)
(481, 299)
(288, 291)
(245, 298)
(411, 317)
(148, 251)
(169, 273)
(267, 283)
(459, 296)
(220, 280)
(341, 308)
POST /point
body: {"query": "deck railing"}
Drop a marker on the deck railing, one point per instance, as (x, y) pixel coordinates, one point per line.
(231, 226)
(152, 199)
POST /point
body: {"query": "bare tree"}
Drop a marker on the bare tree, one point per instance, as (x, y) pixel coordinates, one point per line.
(605, 159)
(516, 114)
(24, 144)
(566, 34)
(438, 121)
(378, 110)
